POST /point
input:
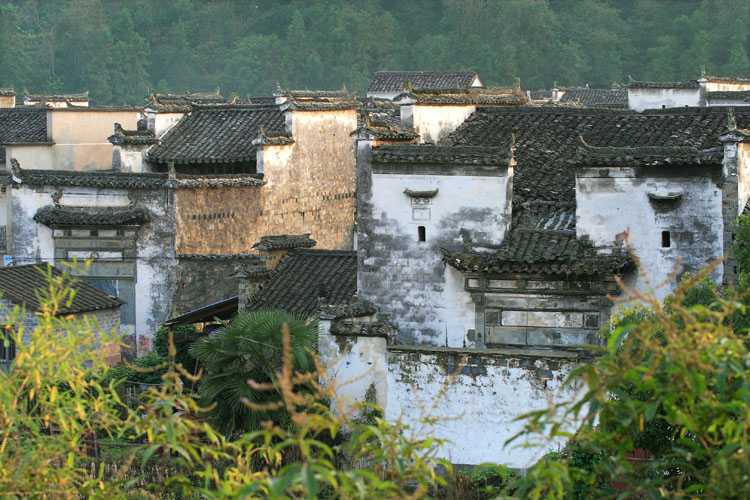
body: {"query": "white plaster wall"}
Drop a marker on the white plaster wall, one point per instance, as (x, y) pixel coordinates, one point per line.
(37, 156)
(31, 242)
(460, 314)
(482, 199)
(165, 121)
(607, 207)
(640, 99)
(383, 95)
(743, 180)
(727, 102)
(353, 364)
(406, 277)
(133, 159)
(433, 123)
(478, 409)
(87, 197)
(154, 287)
(726, 86)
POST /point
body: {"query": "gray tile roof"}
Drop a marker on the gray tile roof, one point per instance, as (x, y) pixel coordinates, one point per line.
(645, 156)
(546, 138)
(217, 134)
(105, 179)
(82, 97)
(547, 149)
(542, 240)
(22, 125)
(690, 84)
(609, 98)
(465, 97)
(302, 274)
(738, 95)
(454, 155)
(20, 284)
(122, 136)
(285, 242)
(86, 216)
(393, 81)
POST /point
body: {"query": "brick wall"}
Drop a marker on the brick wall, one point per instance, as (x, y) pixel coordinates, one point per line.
(309, 189)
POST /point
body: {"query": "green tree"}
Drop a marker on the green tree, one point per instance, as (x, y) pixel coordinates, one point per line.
(674, 384)
(249, 348)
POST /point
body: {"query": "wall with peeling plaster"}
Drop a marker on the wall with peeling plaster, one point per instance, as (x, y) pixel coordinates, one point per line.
(476, 404)
(611, 202)
(406, 277)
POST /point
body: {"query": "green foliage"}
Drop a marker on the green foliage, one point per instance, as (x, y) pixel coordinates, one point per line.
(51, 404)
(118, 48)
(249, 348)
(182, 336)
(674, 385)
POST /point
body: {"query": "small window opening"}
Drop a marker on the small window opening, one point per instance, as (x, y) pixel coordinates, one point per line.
(422, 234)
(663, 106)
(666, 240)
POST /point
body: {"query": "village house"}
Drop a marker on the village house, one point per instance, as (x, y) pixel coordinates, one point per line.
(21, 287)
(705, 91)
(500, 241)
(181, 189)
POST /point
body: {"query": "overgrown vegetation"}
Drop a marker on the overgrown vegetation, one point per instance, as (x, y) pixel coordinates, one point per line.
(119, 49)
(51, 404)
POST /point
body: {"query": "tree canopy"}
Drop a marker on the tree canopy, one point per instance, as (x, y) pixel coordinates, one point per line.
(119, 49)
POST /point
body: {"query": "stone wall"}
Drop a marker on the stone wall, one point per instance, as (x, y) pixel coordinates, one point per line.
(205, 279)
(309, 188)
(534, 311)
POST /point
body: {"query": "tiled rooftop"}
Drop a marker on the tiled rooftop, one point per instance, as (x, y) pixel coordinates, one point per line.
(609, 98)
(217, 134)
(285, 242)
(546, 138)
(21, 125)
(393, 81)
(86, 216)
(20, 285)
(302, 275)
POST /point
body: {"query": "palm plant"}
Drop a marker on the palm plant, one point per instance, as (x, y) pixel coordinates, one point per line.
(250, 348)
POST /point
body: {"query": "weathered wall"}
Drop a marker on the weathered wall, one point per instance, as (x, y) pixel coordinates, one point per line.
(37, 156)
(533, 311)
(407, 278)
(203, 280)
(138, 262)
(355, 364)
(478, 408)
(640, 99)
(613, 201)
(80, 136)
(743, 181)
(717, 86)
(310, 189)
(433, 123)
(160, 123)
(7, 101)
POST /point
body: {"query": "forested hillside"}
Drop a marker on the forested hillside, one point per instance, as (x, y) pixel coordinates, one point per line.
(120, 49)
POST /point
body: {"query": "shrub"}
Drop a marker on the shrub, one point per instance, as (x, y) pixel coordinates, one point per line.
(250, 348)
